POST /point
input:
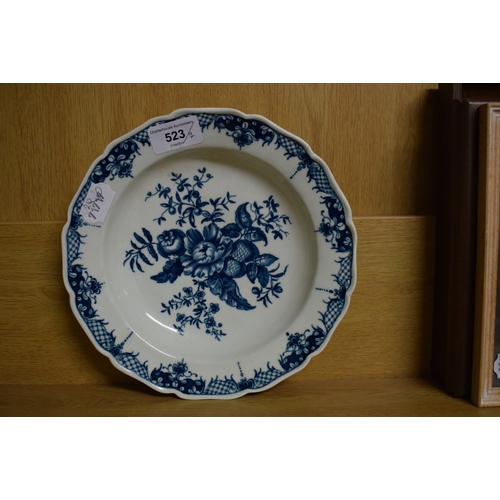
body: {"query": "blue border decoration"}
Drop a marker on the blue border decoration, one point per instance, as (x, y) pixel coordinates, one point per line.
(298, 346)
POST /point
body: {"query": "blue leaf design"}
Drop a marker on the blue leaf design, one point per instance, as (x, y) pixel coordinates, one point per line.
(252, 271)
(145, 259)
(266, 259)
(152, 252)
(194, 237)
(140, 239)
(226, 288)
(262, 276)
(171, 271)
(242, 217)
(255, 234)
(147, 234)
(231, 230)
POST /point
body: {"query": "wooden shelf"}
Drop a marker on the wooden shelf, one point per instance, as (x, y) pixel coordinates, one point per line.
(390, 397)
(382, 144)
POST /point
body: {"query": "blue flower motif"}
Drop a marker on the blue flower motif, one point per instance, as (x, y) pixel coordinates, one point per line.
(246, 384)
(296, 342)
(209, 322)
(89, 288)
(333, 229)
(326, 229)
(214, 308)
(271, 204)
(243, 136)
(94, 286)
(179, 369)
(205, 253)
(171, 243)
(76, 221)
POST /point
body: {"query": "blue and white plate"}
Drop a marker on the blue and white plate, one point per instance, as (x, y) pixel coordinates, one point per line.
(216, 268)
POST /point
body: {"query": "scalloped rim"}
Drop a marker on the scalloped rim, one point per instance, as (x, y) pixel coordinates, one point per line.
(313, 156)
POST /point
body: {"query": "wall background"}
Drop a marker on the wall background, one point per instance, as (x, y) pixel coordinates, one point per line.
(380, 140)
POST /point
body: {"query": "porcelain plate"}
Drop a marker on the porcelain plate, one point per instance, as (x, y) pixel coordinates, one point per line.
(216, 268)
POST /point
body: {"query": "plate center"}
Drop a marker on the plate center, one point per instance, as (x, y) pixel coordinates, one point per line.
(209, 253)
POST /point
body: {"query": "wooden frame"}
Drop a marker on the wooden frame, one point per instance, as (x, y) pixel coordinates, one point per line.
(485, 383)
(456, 232)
